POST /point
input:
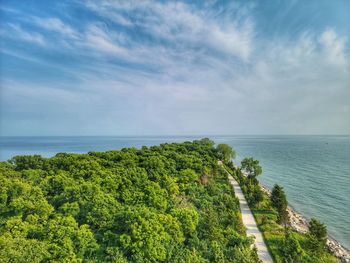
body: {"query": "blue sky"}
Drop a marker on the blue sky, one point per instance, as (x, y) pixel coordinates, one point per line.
(171, 67)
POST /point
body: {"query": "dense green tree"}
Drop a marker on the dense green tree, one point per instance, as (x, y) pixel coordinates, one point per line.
(23, 250)
(206, 142)
(188, 176)
(225, 152)
(188, 217)
(279, 202)
(292, 251)
(318, 234)
(251, 167)
(132, 205)
(147, 234)
(255, 195)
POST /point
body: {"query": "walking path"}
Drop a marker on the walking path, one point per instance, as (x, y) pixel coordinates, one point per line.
(249, 222)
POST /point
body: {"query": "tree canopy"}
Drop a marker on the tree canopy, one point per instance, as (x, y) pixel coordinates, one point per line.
(131, 205)
(251, 166)
(279, 202)
(318, 233)
(225, 152)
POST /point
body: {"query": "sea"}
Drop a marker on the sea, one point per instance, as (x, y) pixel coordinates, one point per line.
(313, 170)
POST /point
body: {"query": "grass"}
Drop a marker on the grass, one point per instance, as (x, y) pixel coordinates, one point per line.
(273, 233)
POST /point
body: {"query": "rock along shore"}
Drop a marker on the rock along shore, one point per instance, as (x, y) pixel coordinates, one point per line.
(301, 225)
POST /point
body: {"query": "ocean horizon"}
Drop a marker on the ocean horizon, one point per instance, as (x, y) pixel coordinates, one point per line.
(313, 169)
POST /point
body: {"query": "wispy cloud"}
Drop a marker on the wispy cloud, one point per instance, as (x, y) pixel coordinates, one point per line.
(334, 47)
(97, 39)
(180, 24)
(17, 32)
(177, 67)
(56, 25)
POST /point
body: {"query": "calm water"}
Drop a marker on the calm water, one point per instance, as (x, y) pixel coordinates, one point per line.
(314, 170)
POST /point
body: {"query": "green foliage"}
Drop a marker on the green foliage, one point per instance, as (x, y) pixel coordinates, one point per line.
(256, 196)
(318, 234)
(147, 205)
(148, 234)
(251, 166)
(292, 251)
(279, 202)
(225, 152)
(188, 218)
(284, 244)
(250, 186)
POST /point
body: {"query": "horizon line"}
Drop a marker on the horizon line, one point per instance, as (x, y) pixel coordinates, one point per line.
(175, 135)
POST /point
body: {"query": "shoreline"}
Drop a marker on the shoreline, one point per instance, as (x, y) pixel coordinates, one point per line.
(300, 224)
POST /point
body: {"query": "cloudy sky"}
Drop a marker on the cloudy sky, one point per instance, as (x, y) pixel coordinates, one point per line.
(174, 68)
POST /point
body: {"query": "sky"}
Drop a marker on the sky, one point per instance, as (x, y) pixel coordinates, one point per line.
(174, 67)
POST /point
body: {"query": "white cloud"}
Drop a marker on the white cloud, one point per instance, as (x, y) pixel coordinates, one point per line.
(98, 39)
(180, 35)
(233, 41)
(194, 71)
(56, 25)
(16, 31)
(181, 24)
(334, 47)
(105, 10)
(294, 88)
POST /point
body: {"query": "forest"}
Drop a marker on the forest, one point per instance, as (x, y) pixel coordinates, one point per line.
(167, 203)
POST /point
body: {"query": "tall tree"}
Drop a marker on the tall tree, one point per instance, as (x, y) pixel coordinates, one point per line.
(251, 167)
(257, 195)
(225, 152)
(318, 233)
(279, 202)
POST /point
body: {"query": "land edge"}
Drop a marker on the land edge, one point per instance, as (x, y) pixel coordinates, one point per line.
(300, 224)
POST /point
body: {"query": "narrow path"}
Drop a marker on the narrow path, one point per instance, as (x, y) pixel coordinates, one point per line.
(249, 222)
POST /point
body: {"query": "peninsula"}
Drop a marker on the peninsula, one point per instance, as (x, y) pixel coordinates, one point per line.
(167, 203)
